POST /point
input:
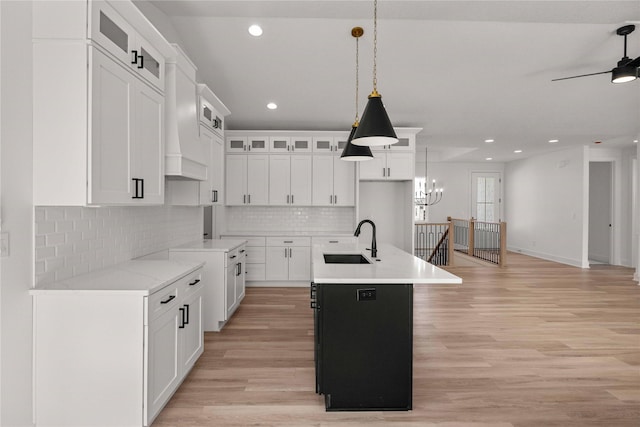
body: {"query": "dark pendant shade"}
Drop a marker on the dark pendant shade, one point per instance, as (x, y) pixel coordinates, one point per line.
(623, 74)
(355, 153)
(375, 128)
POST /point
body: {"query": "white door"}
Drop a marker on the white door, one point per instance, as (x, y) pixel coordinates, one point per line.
(322, 193)
(258, 179)
(374, 168)
(400, 166)
(112, 116)
(485, 196)
(600, 193)
(301, 177)
(164, 360)
(206, 144)
(344, 181)
(193, 332)
(216, 171)
(300, 263)
(236, 180)
(279, 180)
(148, 152)
(241, 275)
(277, 263)
(230, 288)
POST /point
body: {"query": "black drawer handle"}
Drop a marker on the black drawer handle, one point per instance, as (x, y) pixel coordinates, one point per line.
(168, 300)
(181, 318)
(242, 251)
(333, 241)
(195, 282)
(288, 241)
(313, 304)
(232, 256)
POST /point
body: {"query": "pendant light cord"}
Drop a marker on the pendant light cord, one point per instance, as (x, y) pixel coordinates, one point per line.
(357, 78)
(375, 45)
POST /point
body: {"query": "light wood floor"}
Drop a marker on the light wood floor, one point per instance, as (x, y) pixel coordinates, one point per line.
(535, 344)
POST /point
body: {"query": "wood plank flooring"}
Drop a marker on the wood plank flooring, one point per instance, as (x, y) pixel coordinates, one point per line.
(535, 344)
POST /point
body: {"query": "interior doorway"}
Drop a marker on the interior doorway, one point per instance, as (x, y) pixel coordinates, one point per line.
(600, 212)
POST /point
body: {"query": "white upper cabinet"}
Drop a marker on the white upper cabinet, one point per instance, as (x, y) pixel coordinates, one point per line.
(290, 180)
(293, 144)
(333, 181)
(114, 33)
(247, 180)
(392, 162)
(98, 132)
(405, 143)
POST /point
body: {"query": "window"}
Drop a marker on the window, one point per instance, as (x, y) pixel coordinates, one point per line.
(485, 203)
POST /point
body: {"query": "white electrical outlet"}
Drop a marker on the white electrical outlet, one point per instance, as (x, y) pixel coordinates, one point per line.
(4, 245)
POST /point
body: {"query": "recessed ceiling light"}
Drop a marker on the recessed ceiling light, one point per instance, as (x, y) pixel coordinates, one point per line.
(517, 151)
(488, 141)
(255, 30)
(489, 158)
(635, 141)
(272, 106)
(553, 141)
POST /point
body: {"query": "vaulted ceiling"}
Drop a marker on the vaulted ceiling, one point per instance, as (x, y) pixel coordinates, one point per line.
(464, 71)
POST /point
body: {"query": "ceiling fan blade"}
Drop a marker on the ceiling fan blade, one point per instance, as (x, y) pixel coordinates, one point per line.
(634, 62)
(582, 75)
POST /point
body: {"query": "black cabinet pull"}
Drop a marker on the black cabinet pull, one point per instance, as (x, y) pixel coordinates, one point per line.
(185, 312)
(232, 256)
(181, 318)
(214, 196)
(141, 64)
(313, 304)
(242, 251)
(168, 300)
(238, 269)
(195, 282)
(135, 57)
(138, 192)
(288, 241)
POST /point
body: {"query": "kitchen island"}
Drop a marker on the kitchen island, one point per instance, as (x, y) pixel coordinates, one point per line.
(363, 324)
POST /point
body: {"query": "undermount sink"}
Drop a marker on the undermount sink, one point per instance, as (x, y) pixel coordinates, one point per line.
(345, 259)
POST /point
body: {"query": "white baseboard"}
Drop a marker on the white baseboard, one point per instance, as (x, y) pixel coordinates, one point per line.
(548, 257)
(278, 284)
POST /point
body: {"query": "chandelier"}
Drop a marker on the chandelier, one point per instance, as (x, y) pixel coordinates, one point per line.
(427, 196)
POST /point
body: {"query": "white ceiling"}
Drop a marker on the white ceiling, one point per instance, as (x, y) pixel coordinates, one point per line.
(464, 71)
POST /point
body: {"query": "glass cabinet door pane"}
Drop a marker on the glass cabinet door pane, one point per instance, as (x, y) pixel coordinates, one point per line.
(114, 33)
(149, 63)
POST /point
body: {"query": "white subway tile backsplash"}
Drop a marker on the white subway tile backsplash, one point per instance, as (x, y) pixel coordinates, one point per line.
(300, 219)
(70, 241)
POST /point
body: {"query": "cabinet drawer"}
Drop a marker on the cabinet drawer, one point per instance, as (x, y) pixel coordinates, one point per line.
(162, 301)
(288, 241)
(255, 271)
(251, 240)
(234, 256)
(191, 283)
(333, 240)
(255, 255)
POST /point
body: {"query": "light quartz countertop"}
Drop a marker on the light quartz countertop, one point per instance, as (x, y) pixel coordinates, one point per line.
(209, 245)
(392, 265)
(143, 277)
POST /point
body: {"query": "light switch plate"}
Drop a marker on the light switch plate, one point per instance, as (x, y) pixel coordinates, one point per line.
(4, 245)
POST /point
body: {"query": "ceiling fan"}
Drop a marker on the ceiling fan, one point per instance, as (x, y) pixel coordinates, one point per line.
(627, 68)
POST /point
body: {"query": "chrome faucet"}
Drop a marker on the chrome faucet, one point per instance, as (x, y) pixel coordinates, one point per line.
(374, 249)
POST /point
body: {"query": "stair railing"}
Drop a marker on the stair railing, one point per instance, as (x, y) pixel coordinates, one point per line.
(480, 239)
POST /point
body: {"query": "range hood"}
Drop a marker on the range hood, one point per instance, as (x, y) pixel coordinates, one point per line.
(183, 151)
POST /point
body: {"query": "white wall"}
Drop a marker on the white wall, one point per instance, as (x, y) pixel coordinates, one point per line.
(546, 205)
(455, 178)
(17, 213)
(637, 217)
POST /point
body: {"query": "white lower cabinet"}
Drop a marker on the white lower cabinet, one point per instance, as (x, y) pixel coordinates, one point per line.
(113, 357)
(288, 258)
(223, 276)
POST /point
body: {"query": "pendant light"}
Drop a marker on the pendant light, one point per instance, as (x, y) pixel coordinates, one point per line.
(356, 153)
(375, 129)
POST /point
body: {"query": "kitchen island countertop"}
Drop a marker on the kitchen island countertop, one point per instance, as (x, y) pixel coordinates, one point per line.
(392, 265)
